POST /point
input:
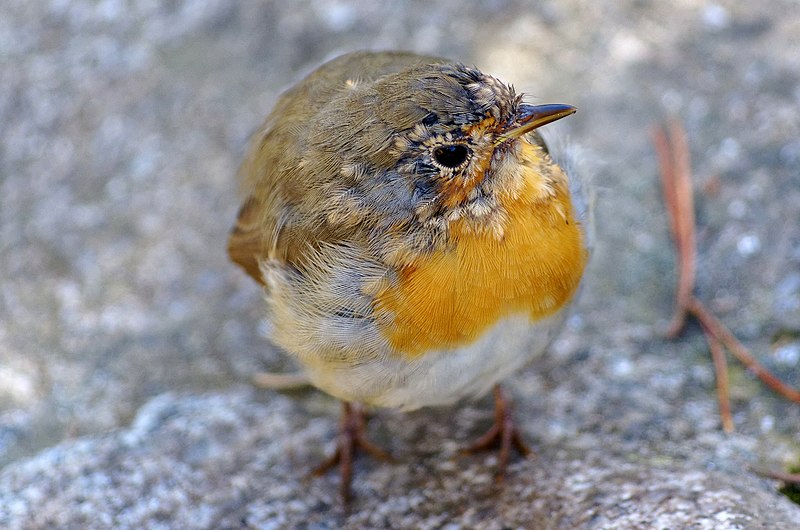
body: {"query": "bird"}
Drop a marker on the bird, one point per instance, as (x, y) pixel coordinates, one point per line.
(415, 240)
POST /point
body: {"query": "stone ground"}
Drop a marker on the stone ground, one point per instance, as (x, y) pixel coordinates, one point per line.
(127, 339)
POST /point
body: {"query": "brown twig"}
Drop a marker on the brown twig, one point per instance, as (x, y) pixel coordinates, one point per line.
(723, 335)
(788, 478)
(721, 372)
(676, 180)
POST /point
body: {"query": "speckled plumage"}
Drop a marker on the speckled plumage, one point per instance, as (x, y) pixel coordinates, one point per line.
(394, 278)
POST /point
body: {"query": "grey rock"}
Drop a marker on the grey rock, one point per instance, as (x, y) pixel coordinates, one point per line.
(239, 460)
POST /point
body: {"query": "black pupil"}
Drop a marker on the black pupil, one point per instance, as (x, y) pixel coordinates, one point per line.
(450, 155)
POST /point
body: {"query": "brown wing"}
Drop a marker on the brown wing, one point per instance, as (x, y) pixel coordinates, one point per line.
(281, 217)
(246, 240)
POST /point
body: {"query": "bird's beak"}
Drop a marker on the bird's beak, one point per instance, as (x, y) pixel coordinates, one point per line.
(532, 117)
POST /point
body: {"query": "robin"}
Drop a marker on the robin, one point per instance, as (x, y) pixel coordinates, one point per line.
(414, 238)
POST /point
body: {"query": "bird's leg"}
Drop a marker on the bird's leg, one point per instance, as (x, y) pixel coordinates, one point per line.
(503, 433)
(352, 435)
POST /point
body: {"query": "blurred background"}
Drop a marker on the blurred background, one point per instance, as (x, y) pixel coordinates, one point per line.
(123, 124)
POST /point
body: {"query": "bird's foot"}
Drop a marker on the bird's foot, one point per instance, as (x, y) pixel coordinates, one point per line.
(352, 436)
(503, 433)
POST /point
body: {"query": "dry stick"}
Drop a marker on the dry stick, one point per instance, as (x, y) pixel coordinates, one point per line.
(676, 181)
(673, 154)
(681, 223)
(789, 478)
(684, 203)
(721, 372)
(723, 335)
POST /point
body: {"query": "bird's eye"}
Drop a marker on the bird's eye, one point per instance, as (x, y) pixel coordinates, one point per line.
(451, 156)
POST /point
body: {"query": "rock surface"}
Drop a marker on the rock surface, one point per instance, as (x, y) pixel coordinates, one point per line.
(126, 337)
(237, 460)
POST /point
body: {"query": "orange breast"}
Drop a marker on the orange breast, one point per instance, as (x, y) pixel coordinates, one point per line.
(450, 298)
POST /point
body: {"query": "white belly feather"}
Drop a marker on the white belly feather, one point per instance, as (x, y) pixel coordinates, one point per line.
(444, 377)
